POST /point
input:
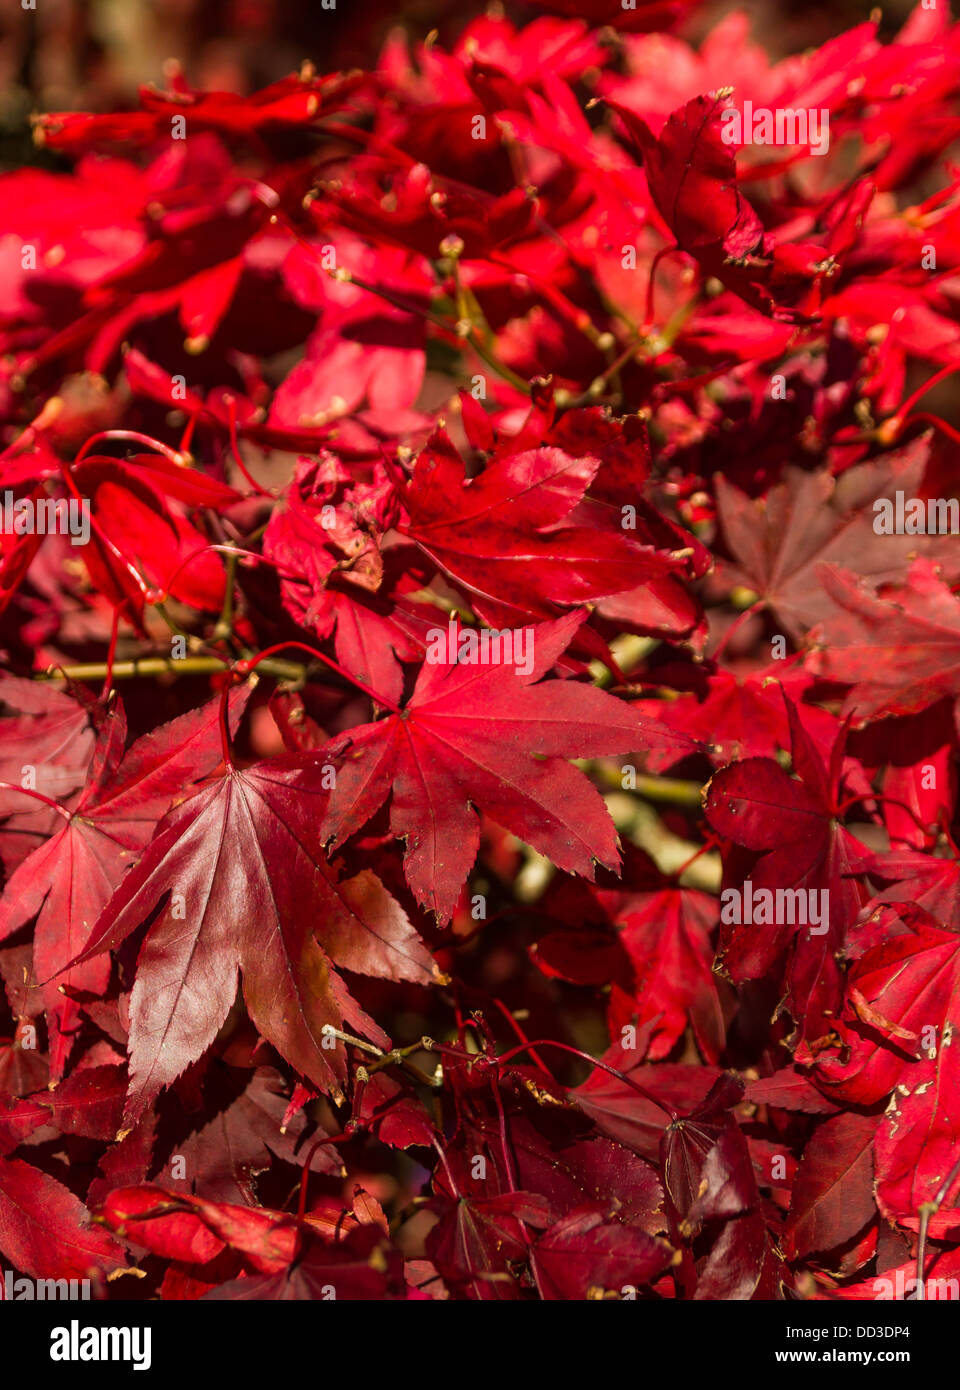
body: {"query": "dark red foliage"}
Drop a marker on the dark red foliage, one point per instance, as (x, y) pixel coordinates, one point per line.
(478, 790)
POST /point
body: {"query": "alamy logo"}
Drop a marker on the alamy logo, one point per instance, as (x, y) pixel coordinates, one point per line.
(46, 516)
(76, 1343)
(916, 516)
(903, 1287)
(759, 125)
(18, 1288)
(781, 907)
(487, 647)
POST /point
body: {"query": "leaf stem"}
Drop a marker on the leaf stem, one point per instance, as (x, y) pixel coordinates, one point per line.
(594, 1062)
(237, 457)
(928, 385)
(942, 426)
(654, 264)
(244, 667)
(135, 437)
(736, 625)
(112, 649)
(225, 729)
(885, 801)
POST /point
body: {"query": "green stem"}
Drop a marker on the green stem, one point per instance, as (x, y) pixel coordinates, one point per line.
(479, 334)
(164, 665)
(672, 791)
(224, 625)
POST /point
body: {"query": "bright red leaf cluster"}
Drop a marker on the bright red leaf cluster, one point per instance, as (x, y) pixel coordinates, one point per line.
(478, 799)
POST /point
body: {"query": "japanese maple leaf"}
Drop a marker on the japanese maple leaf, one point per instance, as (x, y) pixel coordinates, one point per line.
(557, 1158)
(53, 736)
(708, 1178)
(231, 1140)
(478, 1239)
(186, 1227)
(654, 949)
(915, 329)
(900, 1281)
(363, 1265)
(793, 822)
(45, 1230)
(618, 502)
(780, 541)
(666, 932)
(729, 53)
(919, 782)
(246, 887)
(293, 102)
(401, 207)
(931, 883)
(491, 738)
(832, 1198)
(66, 881)
(692, 177)
(898, 1036)
(629, 1117)
(743, 1264)
(289, 1259)
(506, 537)
(789, 1089)
(747, 716)
(22, 1070)
(687, 1143)
(64, 884)
(398, 1119)
(88, 1102)
(585, 1254)
(736, 718)
(327, 541)
(366, 350)
(222, 410)
(899, 652)
(132, 524)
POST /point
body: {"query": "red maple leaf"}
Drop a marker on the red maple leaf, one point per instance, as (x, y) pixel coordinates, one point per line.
(793, 823)
(240, 908)
(494, 737)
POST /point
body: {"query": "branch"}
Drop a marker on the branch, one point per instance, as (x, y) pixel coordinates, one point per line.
(165, 665)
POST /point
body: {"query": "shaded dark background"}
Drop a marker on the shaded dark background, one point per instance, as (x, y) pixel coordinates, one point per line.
(90, 55)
